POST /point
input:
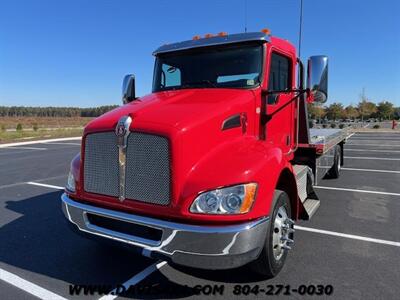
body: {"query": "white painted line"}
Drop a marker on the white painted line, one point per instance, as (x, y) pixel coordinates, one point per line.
(40, 179)
(26, 148)
(376, 145)
(373, 158)
(369, 138)
(382, 131)
(348, 236)
(371, 170)
(46, 185)
(136, 279)
(40, 141)
(50, 143)
(372, 150)
(28, 287)
(355, 190)
(373, 139)
(15, 153)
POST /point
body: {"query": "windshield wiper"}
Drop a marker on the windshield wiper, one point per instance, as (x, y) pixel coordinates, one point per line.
(209, 82)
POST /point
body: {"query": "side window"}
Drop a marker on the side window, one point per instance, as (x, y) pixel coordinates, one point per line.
(171, 76)
(279, 75)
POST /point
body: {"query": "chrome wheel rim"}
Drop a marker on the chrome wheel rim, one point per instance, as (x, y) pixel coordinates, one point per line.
(281, 231)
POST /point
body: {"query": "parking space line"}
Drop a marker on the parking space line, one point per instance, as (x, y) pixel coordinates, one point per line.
(24, 182)
(382, 138)
(136, 279)
(372, 150)
(28, 286)
(40, 142)
(371, 170)
(355, 190)
(77, 144)
(349, 236)
(375, 145)
(15, 153)
(26, 148)
(372, 158)
(46, 185)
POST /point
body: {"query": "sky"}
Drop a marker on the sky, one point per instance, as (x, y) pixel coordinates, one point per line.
(76, 52)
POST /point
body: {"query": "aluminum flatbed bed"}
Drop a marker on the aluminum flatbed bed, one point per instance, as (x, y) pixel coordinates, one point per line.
(324, 140)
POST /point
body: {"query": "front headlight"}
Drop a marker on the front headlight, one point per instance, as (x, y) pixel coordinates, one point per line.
(71, 183)
(236, 199)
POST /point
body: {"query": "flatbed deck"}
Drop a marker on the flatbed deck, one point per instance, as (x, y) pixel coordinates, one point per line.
(325, 139)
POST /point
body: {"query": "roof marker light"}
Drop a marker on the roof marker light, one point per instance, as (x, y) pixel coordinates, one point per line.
(196, 37)
(266, 31)
(222, 33)
(208, 35)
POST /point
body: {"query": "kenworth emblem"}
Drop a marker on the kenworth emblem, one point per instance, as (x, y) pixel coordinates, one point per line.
(122, 132)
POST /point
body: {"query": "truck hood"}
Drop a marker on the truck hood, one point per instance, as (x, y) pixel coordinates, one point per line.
(179, 109)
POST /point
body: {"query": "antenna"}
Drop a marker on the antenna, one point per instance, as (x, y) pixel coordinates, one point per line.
(301, 25)
(245, 15)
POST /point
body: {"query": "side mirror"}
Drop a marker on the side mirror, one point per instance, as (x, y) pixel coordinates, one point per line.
(317, 77)
(128, 89)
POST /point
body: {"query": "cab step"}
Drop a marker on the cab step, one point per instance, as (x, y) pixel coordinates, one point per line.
(300, 172)
(310, 207)
(308, 198)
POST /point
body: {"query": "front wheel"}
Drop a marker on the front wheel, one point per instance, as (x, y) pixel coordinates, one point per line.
(279, 238)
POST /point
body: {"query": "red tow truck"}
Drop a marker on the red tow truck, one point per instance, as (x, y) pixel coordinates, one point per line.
(211, 169)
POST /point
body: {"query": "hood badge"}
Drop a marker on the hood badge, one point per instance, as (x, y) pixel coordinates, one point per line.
(122, 132)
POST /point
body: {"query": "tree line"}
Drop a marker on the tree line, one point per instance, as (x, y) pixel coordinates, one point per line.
(384, 110)
(365, 109)
(26, 111)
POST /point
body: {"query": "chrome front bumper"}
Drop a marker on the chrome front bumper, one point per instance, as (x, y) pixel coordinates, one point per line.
(206, 247)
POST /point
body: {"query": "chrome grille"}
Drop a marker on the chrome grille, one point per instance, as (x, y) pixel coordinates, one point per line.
(101, 171)
(147, 167)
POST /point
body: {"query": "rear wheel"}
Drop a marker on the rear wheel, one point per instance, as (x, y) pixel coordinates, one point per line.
(334, 172)
(278, 240)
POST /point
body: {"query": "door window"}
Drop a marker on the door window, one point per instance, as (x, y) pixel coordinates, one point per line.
(279, 75)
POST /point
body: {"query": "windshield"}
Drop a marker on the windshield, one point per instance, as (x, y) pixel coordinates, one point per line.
(220, 67)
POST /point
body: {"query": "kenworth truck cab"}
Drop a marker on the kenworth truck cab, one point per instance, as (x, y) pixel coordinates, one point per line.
(211, 169)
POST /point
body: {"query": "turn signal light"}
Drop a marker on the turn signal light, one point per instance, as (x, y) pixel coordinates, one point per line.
(249, 196)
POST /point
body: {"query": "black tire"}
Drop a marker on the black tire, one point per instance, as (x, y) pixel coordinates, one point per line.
(334, 172)
(266, 264)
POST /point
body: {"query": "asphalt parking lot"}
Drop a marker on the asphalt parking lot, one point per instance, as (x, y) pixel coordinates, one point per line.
(352, 243)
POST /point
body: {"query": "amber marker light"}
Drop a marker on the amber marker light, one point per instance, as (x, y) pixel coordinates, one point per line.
(222, 33)
(249, 196)
(196, 37)
(266, 31)
(208, 35)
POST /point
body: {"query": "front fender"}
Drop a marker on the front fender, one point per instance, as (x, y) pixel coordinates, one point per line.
(243, 160)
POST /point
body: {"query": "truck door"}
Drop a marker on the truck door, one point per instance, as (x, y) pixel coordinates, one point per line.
(280, 129)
